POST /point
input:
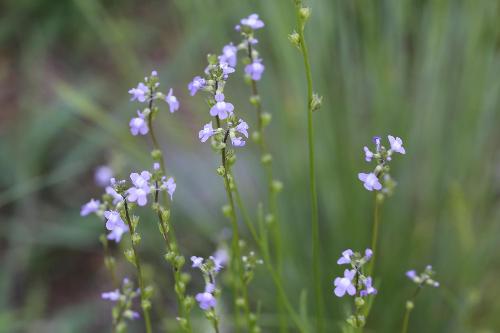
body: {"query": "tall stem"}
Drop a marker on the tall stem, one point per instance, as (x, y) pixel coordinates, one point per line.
(376, 222)
(406, 320)
(318, 290)
(140, 278)
(168, 233)
(271, 195)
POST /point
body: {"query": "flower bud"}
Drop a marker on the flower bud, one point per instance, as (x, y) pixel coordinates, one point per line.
(156, 154)
(226, 210)
(316, 102)
(409, 305)
(136, 238)
(266, 158)
(294, 38)
(359, 301)
(129, 255)
(276, 186)
(221, 171)
(304, 13)
(265, 118)
(256, 136)
(255, 100)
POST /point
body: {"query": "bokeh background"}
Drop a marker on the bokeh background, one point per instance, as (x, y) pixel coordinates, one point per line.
(427, 71)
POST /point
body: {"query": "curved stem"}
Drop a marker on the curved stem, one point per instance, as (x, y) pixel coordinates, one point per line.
(140, 278)
(318, 290)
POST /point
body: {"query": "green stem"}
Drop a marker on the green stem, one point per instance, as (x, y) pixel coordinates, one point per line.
(376, 222)
(406, 320)
(168, 232)
(318, 290)
(140, 278)
(275, 274)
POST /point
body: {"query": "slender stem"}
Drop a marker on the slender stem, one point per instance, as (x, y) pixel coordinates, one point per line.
(264, 249)
(406, 320)
(145, 311)
(318, 288)
(168, 234)
(376, 222)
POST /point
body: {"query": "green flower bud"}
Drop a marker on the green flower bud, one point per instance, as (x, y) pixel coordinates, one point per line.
(156, 154)
(129, 255)
(294, 38)
(265, 118)
(226, 210)
(276, 186)
(170, 256)
(316, 102)
(255, 100)
(221, 171)
(359, 301)
(266, 158)
(240, 302)
(304, 13)
(409, 305)
(136, 238)
(256, 136)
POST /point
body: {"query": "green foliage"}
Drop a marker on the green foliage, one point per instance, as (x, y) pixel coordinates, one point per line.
(426, 71)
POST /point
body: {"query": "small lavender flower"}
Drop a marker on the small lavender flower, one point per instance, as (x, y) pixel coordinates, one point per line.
(368, 254)
(242, 127)
(370, 181)
(412, 275)
(206, 300)
(368, 154)
(344, 284)
(140, 93)
(221, 108)
(140, 180)
(226, 69)
(229, 55)
(156, 166)
(172, 101)
(253, 22)
(197, 261)
(255, 70)
(396, 144)
(345, 258)
(217, 263)
(221, 256)
(237, 141)
(111, 295)
(377, 140)
(141, 188)
(139, 125)
(206, 132)
(196, 85)
(90, 207)
(370, 290)
(102, 175)
(115, 224)
(424, 278)
(112, 192)
(169, 185)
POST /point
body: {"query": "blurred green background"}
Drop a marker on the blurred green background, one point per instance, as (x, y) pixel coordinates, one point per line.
(427, 71)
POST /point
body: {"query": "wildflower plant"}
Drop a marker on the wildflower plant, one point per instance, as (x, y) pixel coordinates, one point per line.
(123, 303)
(356, 283)
(425, 278)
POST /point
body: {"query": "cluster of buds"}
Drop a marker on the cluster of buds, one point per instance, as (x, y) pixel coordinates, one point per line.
(355, 283)
(380, 179)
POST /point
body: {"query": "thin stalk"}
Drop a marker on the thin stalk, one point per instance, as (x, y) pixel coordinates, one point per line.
(275, 274)
(406, 320)
(376, 222)
(168, 234)
(318, 290)
(409, 308)
(140, 278)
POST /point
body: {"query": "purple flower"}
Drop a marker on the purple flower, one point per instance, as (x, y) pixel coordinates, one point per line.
(139, 195)
(217, 263)
(196, 85)
(237, 141)
(138, 125)
(169, 185)
(255, 70)
(206, 132)
(229, 55)
(206, 299)
(221, 256)
(197, 261)
(368, 154)
(116, 197)
(140, 93)
(172, 101)
(368, 254)
(221, 108)
(396, 144)
(345, 258)
(111, 295)
(412, 275)
(369, 288)
(156, 166)
(226, 69)
(252, 22)
(90, 207)
(370, 181)
(344, 284)
(376, 140)
(140, 180)
(115, 224)
(102, 175)
(242, 128)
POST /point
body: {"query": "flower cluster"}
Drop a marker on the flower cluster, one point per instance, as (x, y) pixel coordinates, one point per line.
(210, 268)
(123, 300)
(354, 282)
(254, 68)
(380, 179)
(424, 278)
(146, 92)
